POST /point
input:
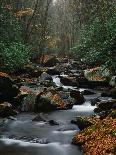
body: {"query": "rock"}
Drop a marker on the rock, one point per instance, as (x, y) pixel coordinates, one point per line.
(44, 104)
(32, 70)
(94, 101)
(97, 77)
(52, 122)
(113, 114)
(67, 128)
(28, 102)
(77, 96)
(44, 76)
(106, 105)
(104, 114)
(114, 106)
(50, 100)
(106, 94)
(113, 93)
(110, 92)
(88, 92)
(51, 62)
(47, 83)
(39, 118)
(81, 122)
(6, 110)
(97, 110)
(96, 74)
(30, 139)
(69, 81)
(53, 71)
(113, 81)
(8, 89)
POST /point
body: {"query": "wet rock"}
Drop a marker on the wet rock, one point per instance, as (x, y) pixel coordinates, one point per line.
(8, 89)
(53, 71)
(114, 106)
(69, 81)
(96, 74)
(50, 100)
(53, 123)
(41, 141)
(94, 101)
(106, 105)
(113, 81)
(47, 83)
(97, 110)
(59, 88)
(113, 114)
(30, 139)
(44, 76)
(81, 122)
(44, 104)
(109, 93)
(106, 94)
(97, 77)
(113, 93)
(31, 70)
(6, 110)
(28, 102)
(51, 62)
(67, 128)
(39, 118)
(77, 96)
(88, 92)
(104, 114)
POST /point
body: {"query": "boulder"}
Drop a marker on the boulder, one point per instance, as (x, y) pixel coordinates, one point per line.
(69, 81)
(8, 89)
(44, 76)
(105, 106)
(94, 101)
(50, 62)
(77, 96)
(113, 81)
(44, 104)
(110, 92)
(81, 122)
(53, 123)
(51, 100)
(113, 93)
(97, 77)
(31, 70)
(53, 71)
(88, 92)
(6, 110)
(39, 118)
(28, 102)
(104, 114)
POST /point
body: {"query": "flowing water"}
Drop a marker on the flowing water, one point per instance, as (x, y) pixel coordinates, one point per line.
(58, 137)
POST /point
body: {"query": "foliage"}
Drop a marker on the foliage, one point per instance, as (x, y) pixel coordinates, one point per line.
(13, 52)
(10, 29)
(98, 42)
(99, 138)
(13, 55)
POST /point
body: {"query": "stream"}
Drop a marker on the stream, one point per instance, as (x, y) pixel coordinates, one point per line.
(57, 138)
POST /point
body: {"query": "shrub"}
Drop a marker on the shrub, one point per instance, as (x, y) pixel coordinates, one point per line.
(13, 55)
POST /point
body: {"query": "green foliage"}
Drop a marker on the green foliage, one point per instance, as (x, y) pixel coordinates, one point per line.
(13, 52)
(13, 55)
(10, 29)
(98, 42)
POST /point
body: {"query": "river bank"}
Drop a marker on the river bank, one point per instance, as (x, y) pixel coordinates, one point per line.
(47, 99)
